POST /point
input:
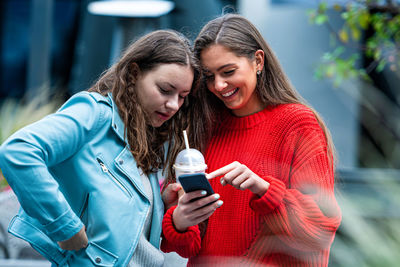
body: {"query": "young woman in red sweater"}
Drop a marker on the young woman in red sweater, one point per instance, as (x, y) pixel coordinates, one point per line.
(270, 159)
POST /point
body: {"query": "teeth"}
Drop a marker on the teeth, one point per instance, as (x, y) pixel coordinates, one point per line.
(229, 93)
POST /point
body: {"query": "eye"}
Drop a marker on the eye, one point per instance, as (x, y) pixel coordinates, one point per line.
(163, 91)
(184, 95)
(229, 72)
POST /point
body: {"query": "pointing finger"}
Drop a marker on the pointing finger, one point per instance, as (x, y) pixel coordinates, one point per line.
(222, 171)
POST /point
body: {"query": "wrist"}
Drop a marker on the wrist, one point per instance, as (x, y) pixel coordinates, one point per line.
(262, 188)
(176, 224)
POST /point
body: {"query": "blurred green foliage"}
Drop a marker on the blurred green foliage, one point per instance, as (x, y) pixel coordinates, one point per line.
(17, 113)
(369, 234)
(381, 19)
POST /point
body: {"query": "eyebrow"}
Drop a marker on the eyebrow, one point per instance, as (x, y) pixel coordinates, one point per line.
(167, 84)
(174, 88)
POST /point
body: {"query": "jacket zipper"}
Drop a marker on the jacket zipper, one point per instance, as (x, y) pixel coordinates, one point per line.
(106, 170)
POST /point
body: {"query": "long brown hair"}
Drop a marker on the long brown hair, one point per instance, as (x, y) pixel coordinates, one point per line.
(273, 87)
(147, 142)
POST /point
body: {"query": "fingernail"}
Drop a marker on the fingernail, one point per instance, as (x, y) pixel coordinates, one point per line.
(203, 192)
(219, 203)
(216, 196)
(222, 181)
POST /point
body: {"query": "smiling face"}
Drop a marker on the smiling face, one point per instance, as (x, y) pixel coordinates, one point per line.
(233, 79)
(162, 90)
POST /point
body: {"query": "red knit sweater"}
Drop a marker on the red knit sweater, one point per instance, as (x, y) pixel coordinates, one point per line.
(294, 223)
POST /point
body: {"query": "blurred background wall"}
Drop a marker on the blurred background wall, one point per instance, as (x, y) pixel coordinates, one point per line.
(61, 45)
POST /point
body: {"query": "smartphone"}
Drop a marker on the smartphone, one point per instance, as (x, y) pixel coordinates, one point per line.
(195, 181)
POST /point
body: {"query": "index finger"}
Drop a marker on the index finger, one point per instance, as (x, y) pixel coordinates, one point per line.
(221, 171)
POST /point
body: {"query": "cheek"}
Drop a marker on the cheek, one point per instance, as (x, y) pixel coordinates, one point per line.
(155, 99)
(180, 102)
(150, 103)
(251, 85)
(210, 87)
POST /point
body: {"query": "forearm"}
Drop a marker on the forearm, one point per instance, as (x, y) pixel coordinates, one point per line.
(28, 155)
(39, 194)
(301, 220)
(186, 244)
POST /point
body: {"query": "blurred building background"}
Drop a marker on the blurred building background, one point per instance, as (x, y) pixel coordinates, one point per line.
(62, 45)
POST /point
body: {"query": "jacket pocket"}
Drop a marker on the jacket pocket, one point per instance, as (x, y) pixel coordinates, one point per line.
(114, 178)
(83, 211)
(100, 256)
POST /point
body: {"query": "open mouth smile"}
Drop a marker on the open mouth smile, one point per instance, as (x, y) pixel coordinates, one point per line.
(230, 93)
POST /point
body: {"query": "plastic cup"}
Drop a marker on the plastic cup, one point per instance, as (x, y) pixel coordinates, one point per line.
(189, 161)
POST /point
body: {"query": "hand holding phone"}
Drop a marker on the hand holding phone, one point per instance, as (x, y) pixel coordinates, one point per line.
(194, 208)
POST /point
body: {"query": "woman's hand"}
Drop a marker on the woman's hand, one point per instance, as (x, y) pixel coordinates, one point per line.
(241, 177)
(77, 242)
(191, 212)
(171, 194)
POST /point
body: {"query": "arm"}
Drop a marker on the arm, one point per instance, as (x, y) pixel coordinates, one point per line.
(180, 224)
(26, 156)
(186, 244)
(303, 214)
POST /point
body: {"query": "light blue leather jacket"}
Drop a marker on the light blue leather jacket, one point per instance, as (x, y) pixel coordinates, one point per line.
(73, 168)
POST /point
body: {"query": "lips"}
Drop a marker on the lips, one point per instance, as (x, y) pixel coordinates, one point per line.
(230, 93)
(163, 116)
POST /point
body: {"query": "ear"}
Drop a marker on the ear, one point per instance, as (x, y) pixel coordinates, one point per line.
(134, 71)
(259, 58)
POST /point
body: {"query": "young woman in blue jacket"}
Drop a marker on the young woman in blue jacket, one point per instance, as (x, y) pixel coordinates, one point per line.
(86, 176)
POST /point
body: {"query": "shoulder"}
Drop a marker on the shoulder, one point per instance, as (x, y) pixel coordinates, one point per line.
(299, 120)
(89, 103)
(293, 111)
(87, 108)
(295, 115)
(88, 99)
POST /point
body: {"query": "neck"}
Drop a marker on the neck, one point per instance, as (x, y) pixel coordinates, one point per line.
(248, 111)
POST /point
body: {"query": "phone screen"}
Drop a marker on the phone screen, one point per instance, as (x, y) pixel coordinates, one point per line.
(195, 181)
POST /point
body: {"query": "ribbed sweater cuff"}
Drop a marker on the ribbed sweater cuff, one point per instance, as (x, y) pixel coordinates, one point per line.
(271, 199)
(172, 235)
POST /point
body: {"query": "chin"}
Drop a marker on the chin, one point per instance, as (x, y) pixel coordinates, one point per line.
(233, 106)
(157, 124)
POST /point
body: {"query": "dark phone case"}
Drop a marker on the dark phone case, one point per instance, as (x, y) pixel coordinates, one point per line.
(195, 181)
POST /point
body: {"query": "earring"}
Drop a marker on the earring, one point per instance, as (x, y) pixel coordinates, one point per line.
(258, 72)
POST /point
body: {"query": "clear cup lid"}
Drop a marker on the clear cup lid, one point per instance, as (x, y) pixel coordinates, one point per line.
(190, 160)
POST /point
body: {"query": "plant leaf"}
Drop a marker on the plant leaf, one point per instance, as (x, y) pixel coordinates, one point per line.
(343, 35)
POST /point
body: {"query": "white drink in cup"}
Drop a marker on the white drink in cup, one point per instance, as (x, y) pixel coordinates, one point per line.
(189, 161)
(190, 170)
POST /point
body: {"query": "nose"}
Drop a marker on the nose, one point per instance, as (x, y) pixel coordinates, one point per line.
(173, 103)
(220, 84)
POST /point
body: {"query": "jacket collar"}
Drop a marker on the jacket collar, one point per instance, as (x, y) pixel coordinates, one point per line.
(117, 124)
